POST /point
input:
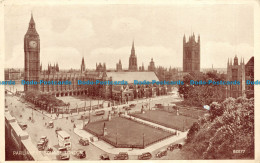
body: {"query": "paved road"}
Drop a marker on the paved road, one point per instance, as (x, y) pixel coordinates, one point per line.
(38, 128)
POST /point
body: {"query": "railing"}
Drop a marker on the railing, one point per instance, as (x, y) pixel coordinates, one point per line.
(115, 144)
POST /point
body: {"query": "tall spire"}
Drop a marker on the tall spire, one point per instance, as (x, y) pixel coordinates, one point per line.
(83, 63)
(133, 48)
(32, 20)
(31, 29)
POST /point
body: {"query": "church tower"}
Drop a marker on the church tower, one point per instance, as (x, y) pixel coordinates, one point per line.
(191, 54)
(82, 68)
(31, 56)
(133, 59)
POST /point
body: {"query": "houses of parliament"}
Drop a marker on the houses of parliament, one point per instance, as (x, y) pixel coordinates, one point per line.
(33, 71)
(191, 63)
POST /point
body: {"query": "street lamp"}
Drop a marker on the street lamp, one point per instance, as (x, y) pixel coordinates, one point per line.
(143, 140)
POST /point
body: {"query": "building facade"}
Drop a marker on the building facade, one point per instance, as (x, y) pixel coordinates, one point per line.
(122, 93)
(191, 54)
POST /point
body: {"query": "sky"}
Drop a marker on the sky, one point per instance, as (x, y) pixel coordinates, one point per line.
(104, 33)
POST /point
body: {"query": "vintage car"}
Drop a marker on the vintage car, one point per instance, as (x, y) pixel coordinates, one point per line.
(100, 112)
(174, 146)
(50, 124)
(125, 107)
(23, 125)
(42, 144)
(132, 105)
(158, 106)
(83, 116)
(84, 141)
(145, 156)
(128, 108)
(104, 157)
(161, 153)
(80, 153)
(121, 156)
(63, 154)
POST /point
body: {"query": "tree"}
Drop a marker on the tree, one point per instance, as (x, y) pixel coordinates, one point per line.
(199, 95)
(229, 126)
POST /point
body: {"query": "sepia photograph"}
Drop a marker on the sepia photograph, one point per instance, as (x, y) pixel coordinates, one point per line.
(118, 81)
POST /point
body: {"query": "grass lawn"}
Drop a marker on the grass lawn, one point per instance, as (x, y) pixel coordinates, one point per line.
(167, 119)
(128, 131)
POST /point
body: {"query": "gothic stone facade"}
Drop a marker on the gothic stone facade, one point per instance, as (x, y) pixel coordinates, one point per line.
(121, 93)
(191, 54)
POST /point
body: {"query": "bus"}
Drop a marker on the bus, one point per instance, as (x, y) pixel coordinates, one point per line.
(64, 139)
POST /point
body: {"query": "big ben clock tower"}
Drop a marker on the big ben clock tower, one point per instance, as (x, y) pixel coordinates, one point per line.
(31, 56)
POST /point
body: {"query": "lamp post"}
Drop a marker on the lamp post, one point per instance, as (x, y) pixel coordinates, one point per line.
(143, 140)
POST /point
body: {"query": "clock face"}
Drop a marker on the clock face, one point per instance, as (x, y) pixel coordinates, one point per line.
(33, 44)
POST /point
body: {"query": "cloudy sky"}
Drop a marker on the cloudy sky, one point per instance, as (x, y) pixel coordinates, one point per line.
(104, 33)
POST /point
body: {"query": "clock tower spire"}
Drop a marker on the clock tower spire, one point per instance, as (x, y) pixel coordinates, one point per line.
(31, 56)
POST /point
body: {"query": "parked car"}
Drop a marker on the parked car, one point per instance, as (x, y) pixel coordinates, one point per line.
(145, 156)
(100, 112)
(42, 144)
(23, 125)
(132, 105)
(128, 108)
(63, 154)
(104, 157)
(174, 146)
(122, 156)
(80, 153)
(84, 116)
(84, 141)
(161, 153)
(125, 107)
(50, 124)
(158, 105)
